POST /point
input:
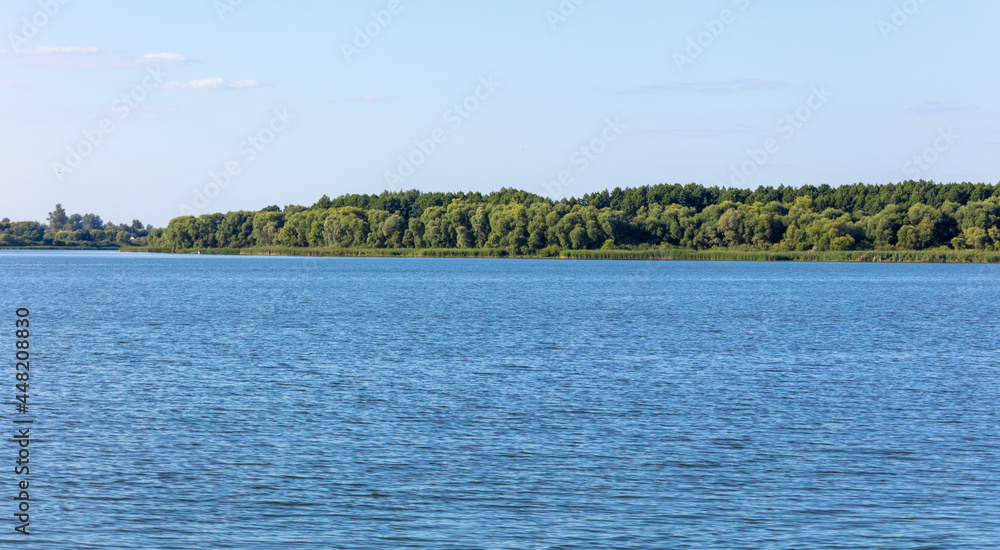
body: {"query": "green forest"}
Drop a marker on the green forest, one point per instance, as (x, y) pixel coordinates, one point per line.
(72, 231)
(911, 216)
(905, 217)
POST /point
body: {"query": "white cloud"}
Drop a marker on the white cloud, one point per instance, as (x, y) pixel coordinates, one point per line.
(164, 58)
(214, 84)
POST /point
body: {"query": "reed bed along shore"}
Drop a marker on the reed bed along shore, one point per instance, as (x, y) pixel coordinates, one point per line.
(892, 256)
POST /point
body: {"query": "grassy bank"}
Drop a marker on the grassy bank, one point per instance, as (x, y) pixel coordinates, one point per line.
(892, 256)
(54, 247)
(895, 256)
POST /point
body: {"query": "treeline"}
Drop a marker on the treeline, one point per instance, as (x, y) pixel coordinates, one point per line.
(73, 230)
(914, 215)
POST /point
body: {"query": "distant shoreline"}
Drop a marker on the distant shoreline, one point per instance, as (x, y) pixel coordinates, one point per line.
(856, 256)
(65, 248)
(867, 256)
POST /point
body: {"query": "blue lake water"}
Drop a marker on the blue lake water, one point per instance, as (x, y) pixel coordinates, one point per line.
(263, 403)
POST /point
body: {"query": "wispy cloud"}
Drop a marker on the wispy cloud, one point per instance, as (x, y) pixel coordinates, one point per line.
(164, 58)
(940, 107)
(371, 98)
(721, 87)
(214, 84)
(10, 84)
(76, 56)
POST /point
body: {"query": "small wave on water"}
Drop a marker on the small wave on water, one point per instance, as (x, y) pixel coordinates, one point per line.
(651, 413)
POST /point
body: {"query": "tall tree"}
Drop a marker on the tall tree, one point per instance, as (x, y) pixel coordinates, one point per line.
(58, 219)
(90, 222)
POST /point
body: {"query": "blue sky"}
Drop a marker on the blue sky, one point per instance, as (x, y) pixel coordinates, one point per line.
(579, 96)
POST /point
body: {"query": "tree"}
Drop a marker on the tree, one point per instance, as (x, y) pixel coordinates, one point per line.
(481, 225)
(731, 227)
(414, 236)
(181, 232)
(90, 222)
(578, 238)
(909, 239)
(28, 232)
(438, 232)
(393, 230)
(346, 227)
(236, 230)
(267, 227)
(57, 219)
(912, 215)
(324, 203)
(74, 223)
(844, 242)
(976, 237)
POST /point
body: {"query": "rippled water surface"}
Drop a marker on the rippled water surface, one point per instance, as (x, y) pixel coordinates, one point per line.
(263, 403)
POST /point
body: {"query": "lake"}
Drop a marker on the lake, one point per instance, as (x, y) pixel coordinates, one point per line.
(272, 402)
